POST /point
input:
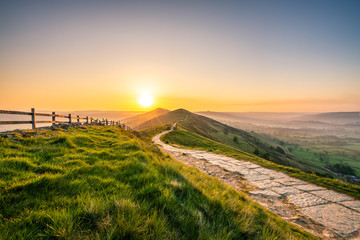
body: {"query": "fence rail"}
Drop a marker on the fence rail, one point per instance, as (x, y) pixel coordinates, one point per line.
(33, 122)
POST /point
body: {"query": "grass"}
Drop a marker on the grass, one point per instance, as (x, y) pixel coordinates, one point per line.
(307, 148)
(106, 183)
(192, 140)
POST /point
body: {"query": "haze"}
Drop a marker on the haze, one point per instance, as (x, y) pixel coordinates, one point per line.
(292, 56)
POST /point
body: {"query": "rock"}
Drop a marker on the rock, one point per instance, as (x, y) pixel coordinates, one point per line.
(305, 200)
(267, 193)
(335, 217)
(332, 195)
(286, 190)
(355, 205)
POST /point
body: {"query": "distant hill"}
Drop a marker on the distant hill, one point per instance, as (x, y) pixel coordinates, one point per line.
(169, 117)
(136, 121)
(335, 117)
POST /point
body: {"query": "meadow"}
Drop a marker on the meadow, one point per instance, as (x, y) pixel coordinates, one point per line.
(106, 183)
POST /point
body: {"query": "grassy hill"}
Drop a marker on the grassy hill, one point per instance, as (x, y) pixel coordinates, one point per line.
(106, 183)
(251, 142)
(191, 140)
(135, 121)
(242, 140)
(170, 117)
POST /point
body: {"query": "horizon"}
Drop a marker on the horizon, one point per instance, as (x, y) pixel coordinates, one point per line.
(156, 108)
(222, 57)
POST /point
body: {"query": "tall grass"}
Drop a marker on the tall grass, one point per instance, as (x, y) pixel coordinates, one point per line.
(105, 183)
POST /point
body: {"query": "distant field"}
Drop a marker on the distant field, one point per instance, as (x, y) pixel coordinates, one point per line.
(324, 150)
(106, 183)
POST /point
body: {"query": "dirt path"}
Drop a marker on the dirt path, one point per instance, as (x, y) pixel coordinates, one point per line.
(323, 212)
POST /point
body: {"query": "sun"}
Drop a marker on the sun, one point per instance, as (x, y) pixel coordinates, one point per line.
(146, 100)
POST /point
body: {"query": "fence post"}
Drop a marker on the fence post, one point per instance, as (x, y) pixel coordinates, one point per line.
(106, 122)
(78, 118)
(87, 119)
(69, 118)
(33, 118)
(53, 118)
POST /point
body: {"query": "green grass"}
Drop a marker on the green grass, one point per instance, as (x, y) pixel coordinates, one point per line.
(192, 140)
(307, 147)
(106, 183)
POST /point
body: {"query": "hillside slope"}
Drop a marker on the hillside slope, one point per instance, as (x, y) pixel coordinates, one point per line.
(105, 183)
(135, 121)
(237, 138)
(183, 138)
(170, 117)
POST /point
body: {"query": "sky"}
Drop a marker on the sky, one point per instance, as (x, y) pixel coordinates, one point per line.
(268, 56)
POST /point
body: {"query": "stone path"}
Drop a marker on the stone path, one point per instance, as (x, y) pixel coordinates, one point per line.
(339, 214)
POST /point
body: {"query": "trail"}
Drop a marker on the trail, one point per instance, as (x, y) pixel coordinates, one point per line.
(325, 213)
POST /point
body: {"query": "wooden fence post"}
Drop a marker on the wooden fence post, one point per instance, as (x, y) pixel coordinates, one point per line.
(33, 118)
(53, 118)
(106, 122)
(87, 119)
(69, 118)
(78, 118)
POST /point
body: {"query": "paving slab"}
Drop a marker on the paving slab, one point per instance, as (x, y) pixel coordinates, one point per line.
(267, 193)
(355, 205)
(266, 184)
(252, 166)
(289, 181)
(266, 171)
(305, 200)
(278, 175)
(309, 187)
(286, 190)
(334, 216)
(332, 196)
(260, 177)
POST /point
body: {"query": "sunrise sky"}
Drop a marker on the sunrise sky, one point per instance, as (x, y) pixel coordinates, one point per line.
(198, 55)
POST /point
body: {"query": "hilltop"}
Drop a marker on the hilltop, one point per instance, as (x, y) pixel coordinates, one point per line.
(136, 121)
(102, 182)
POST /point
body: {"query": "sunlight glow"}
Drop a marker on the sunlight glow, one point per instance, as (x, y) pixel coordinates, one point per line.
(146, 100)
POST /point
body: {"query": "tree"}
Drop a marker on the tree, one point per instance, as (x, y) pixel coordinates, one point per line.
(226, 131)
(236, 140)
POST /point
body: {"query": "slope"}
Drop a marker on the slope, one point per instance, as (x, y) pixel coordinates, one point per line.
(135, 121)
(170, 117)
(106, 183)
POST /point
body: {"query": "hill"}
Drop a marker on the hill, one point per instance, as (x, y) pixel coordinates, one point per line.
(335, 117)
(135, 121)
(220, 132)
(102, 182)
(184, 138)
(169, 117)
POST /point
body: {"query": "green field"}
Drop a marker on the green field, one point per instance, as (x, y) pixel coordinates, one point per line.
(192, 140)
(106, 183)
(320, 151)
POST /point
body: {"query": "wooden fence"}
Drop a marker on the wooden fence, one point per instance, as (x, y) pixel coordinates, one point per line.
(71, 119)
